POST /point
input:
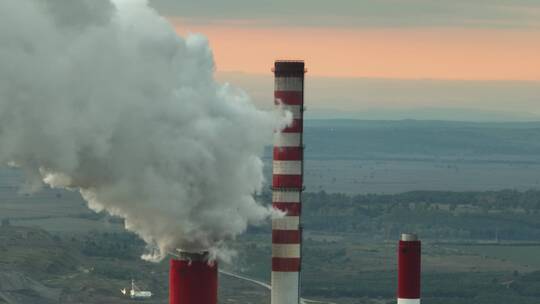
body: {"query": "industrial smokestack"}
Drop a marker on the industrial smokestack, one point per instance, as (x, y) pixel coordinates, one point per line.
(287, 184)
(409, 267)
(193, 279)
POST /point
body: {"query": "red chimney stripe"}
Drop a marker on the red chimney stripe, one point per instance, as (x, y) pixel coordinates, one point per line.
(286, 264)
(409, 269)
(289, 97)
(288, 153)
(292, 209)
(193, 282)
(286, 236)
(287, 181)
(297, 126)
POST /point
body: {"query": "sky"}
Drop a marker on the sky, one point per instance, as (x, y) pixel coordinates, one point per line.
(393, 59)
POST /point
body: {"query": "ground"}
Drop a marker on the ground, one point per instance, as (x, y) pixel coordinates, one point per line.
(53, 249)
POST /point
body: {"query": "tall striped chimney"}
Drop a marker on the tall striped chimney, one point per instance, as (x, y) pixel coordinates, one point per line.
(287, 184)
(193, 279)
(409, 256)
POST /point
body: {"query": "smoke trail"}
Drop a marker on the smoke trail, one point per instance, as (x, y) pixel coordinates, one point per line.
(104, 98)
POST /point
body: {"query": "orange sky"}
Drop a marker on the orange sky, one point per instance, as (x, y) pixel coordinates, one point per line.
(438, 53)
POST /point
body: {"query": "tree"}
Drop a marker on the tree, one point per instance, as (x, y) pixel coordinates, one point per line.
(5, 223)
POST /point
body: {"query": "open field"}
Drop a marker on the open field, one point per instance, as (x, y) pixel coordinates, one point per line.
(365, 272)
(478, 247)
(396, 176)
(525, 255)
(342, 268)
(350, 252)
(353, 156)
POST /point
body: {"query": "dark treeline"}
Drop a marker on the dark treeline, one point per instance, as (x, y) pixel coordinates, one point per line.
(499, 215)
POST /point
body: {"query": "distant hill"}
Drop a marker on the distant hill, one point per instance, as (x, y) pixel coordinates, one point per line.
(364, 139)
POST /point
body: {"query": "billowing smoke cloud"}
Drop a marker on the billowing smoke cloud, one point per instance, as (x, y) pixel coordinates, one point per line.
(104, 98)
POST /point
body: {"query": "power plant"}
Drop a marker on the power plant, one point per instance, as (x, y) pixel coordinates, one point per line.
(409, 269)
(193, 279)
(287, 184)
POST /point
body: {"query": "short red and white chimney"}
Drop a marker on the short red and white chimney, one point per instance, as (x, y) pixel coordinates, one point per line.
(193, 279)
(287, 184)
(409, 269)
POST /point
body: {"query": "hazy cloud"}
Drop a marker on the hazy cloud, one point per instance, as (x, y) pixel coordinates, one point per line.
(370, 13)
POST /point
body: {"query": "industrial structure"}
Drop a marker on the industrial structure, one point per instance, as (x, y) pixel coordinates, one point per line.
(193, 279)
(409, 269)
(136, 293)
(287, 184)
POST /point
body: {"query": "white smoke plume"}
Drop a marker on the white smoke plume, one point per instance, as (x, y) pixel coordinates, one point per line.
(104, 98)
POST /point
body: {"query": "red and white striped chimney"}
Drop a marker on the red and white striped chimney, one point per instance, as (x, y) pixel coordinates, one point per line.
(193, 279)
(409, 268)
(287, 184)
